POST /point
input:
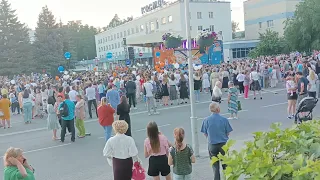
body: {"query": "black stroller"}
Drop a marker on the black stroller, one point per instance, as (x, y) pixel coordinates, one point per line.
(306, 106)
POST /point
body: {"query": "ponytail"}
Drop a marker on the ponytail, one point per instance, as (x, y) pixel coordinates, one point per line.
(179, 137)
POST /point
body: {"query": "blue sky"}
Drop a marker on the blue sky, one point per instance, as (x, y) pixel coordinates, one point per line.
(94, 12)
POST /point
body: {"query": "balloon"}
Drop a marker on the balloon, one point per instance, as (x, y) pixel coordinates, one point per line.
(176, 65)
(114, 74)
(66, 72)
(65, 77)
(57, 78)
(13, 81)
(158, 70)
(95, 68)
(96, 73)
(161, 64)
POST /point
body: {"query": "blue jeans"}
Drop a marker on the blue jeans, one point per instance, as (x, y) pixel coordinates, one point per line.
(107, 132)
(197, 93)
(27, 112)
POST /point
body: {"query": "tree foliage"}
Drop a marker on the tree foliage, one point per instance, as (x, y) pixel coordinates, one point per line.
(289, 154)
(235, 28)
(15, 49)
(270, 44)
(48, 45)
(303, 31)
(116, 21)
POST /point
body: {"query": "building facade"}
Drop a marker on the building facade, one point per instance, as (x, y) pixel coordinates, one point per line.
(260, 15)
(204, 14)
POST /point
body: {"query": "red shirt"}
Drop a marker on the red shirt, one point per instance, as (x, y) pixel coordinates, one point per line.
(105, 114)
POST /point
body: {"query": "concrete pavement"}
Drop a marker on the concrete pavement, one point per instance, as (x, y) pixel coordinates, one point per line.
(83, 159)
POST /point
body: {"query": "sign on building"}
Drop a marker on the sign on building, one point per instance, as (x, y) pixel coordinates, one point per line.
(152, 6)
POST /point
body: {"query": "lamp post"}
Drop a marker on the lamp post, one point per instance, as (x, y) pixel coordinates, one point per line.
(194, 128)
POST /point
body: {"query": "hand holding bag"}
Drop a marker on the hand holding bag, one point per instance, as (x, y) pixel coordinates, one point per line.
(138, 173)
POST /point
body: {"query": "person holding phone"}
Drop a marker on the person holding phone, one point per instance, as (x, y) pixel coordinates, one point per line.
(16, 165)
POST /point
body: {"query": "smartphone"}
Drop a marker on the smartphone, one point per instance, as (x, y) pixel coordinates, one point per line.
(24, 160)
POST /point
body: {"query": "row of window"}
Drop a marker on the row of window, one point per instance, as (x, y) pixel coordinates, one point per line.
(269, 24)
(199, 15)
(241, 52)
(138, 50)
(149, 27)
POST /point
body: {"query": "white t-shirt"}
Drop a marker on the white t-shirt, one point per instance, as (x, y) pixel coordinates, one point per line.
(254, 76)
(91, 93)
(313, 87)
(149, 87)
(241, 77)
(73, 95)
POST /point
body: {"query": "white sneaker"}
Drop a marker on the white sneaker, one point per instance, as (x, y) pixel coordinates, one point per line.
(135, 108)
(230, 118)
(156, 113)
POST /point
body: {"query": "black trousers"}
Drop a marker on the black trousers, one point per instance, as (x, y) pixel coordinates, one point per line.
(94, 102)
(70, 125)
(60, 122)
(132, 99)
(214, 150)
(241, 87)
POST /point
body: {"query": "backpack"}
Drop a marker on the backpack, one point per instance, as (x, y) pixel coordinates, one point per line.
(64, 110)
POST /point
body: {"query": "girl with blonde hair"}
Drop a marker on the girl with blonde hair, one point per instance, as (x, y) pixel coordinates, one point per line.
(312, 86)
(181, 156)
(16, 165)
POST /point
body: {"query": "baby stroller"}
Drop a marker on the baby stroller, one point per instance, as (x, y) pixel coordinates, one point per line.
(305, 107)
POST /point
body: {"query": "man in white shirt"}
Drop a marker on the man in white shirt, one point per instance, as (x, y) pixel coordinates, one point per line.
(73, 95)
(149, 95)
(91, 96)
(240, 78)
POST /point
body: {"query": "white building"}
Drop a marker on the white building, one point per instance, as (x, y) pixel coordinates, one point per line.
(211, 14)
(260, 15)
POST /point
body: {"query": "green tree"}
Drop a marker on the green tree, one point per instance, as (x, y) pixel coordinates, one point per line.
(48, 42)
(15, 47)
(303, 31)
(235, 28)
(270, 44)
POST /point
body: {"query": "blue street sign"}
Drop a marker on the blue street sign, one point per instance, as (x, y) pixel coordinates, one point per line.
(109, 55)
(67, 55)
(158, 54)
(128, 62)
(60, 68)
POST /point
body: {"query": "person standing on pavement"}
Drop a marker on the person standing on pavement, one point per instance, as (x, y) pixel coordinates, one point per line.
(80, 115)
(67, 119)
(148, 92)
(106, 118)
(131, 92)
(5, 109)
(52, 119)
(216, 129)
(123, 111)
(73, 95)
(27, 106)
(113, 97)
(91, 96)
(181, 157)
(302, 86)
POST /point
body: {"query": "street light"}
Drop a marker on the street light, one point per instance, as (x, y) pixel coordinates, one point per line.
(194, 128)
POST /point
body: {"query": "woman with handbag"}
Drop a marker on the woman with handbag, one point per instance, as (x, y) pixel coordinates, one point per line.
(120, 151)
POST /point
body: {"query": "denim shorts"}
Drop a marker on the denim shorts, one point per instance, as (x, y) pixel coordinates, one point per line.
(181, 177)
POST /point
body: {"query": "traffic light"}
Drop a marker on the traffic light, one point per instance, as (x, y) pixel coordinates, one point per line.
(131, 53)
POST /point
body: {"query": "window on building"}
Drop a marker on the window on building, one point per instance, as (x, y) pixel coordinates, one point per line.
(111, 37)
(270, 23)
(199, 28)
(199, 15)
(141, 27)
(260, 24)
(118, 44)
(106, 39)
(147, 28)
(132, 30)
(169, 19)
(152, 28)
(163, 20)
(124, 33)
(104, 48)
(211, 15)
(143, 49)
(112, 46)
(107, 48)
(118, 35)
(114, 36)
(157, 24)
(211, 28)
(128, 31)
(137, 29)
(240, 52)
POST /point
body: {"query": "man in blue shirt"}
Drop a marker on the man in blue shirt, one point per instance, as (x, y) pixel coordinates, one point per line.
(113, 97)
(67, 121)
(217, 129)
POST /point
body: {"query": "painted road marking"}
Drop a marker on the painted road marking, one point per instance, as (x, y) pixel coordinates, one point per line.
(277, 104)
(139, 130)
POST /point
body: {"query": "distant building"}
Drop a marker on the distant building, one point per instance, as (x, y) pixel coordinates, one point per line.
(154, 22)
(32, 36)
(260, 15)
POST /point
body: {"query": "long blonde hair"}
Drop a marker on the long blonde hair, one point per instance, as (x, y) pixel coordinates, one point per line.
(312, 74)
(179, 137)
(11, 152)
(104, 101)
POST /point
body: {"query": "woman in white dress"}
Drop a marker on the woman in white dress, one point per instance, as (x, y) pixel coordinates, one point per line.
(205, 82)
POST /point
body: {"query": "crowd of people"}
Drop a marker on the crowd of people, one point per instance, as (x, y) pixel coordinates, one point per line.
(113, 94)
